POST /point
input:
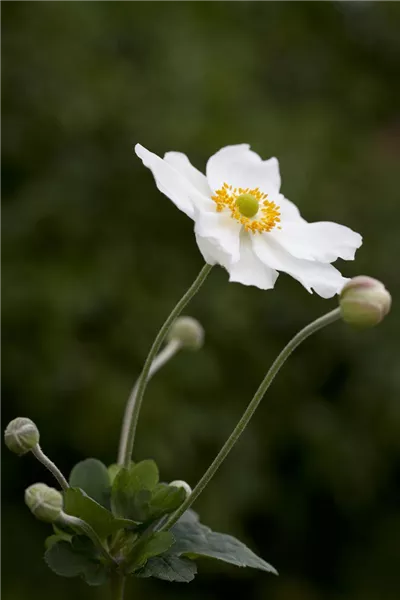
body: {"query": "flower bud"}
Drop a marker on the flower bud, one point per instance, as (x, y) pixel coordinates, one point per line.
(188, 332)
(364, 302)
(44, 502)
(21, 435)
(182, 484)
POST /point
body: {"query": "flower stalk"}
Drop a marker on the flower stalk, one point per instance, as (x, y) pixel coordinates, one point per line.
(117, 586)
(313, 327)
(144, 376)
(126, 440)
(81, 525)
(54, 470)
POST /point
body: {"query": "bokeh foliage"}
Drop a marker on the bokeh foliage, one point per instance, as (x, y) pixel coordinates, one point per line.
(94, 258)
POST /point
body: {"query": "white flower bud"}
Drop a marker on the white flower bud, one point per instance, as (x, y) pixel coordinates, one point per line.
(44, 502)
(188, 332)
(364, 302)
(21, 435)
(182, 484)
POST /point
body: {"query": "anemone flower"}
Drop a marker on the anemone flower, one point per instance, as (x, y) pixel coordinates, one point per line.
(243, 222)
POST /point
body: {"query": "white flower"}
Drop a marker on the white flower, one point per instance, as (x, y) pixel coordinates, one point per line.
(245, 224)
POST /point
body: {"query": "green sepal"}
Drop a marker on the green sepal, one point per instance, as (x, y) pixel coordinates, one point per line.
(93, 478)
(76, 558)
(104, 523)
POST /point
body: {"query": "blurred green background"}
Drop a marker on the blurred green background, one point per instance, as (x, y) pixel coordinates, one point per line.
(94, 258)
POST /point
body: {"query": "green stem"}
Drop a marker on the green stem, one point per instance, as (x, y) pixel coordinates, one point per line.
(126, 439)
(330, 317)
(117, 586)
(81, 525)
(154, 351)
(54, 470)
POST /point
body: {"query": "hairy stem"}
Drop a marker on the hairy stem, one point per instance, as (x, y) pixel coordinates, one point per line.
(126, 439)
(80, 524)
(54, 470)
(330, 317)
(117, 586)
(194, 288)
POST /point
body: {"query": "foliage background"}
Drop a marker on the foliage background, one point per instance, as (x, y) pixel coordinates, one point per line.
(94, 258)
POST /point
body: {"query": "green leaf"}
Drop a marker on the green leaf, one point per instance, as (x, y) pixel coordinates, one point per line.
(77, 504)
(131, 490)
(52, 539)
(165, 499)
(169, 568)
(136, 493)
(92, 477)
(113, 471)
(57, 537)
(194, 539)
(64, 531)
(73, 560)
(155, 544)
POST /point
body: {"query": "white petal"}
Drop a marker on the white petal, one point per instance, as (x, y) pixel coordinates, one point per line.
(241, 167)
(322, 241)
(323, 278)
(222, 229)
(171, 182)
(289, 211)
(249, 270)
(181, 163)
(212, 252)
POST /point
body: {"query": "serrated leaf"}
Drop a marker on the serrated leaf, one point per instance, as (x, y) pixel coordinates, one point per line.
(131, 490)
(194, 539)
(164, 500)
(169, 568)
(66, 561)
(52, 539)
(92, 477)
(77, 504)
(84, 545)
(155, 544)
(57, 537)
(95, 574)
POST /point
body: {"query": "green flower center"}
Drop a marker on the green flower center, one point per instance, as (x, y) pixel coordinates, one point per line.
(248, 205)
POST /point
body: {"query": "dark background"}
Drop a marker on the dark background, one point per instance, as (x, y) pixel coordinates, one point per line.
(94, 258)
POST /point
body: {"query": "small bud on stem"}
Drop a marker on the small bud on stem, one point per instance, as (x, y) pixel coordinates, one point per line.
(364, 302)
(21, 435)
(44, 502)
(188, 332)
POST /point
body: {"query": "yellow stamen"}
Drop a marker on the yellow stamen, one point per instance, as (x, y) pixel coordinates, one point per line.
(267, 216)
